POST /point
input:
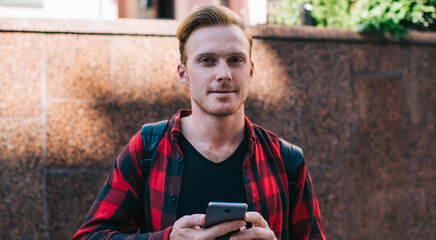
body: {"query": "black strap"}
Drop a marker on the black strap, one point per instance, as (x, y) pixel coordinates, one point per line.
(292, 157)
(151, 134)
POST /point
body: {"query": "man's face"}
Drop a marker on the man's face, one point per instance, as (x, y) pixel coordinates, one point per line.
(218, 69)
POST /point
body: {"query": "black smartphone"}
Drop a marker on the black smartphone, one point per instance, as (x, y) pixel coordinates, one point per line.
(219, 212)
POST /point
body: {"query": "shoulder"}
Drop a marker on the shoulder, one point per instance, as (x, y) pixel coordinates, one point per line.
(264, 135)
(131, 153)
(135, 143)
(291, 155)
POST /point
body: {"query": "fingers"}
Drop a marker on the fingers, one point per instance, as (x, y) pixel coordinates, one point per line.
(254, 233)
(188, 227)
(260, 229)
(224, 228)
(256, 219)
(191, 221)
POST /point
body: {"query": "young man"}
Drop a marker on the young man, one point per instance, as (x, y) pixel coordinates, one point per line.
(210, 153)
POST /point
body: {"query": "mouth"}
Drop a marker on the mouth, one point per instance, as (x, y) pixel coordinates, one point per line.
(222, 91)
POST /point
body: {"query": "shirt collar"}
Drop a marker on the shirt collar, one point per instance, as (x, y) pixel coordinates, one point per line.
(175, 131)
(250, 134)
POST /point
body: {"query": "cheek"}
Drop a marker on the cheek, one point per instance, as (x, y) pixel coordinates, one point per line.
(195, 87)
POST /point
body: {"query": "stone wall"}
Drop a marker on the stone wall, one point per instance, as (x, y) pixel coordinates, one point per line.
(363, 109)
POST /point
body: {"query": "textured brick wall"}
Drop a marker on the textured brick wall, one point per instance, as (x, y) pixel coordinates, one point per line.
(72, 93)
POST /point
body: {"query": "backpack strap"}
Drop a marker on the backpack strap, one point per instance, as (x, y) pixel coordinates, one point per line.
(151, 134)
(292, 157)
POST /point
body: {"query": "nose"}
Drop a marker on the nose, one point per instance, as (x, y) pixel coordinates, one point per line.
(223, 71)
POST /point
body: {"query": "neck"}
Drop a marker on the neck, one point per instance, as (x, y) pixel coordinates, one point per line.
(214, 132)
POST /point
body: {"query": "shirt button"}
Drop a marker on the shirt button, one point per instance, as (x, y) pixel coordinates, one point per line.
(179, 160)
(173, 198)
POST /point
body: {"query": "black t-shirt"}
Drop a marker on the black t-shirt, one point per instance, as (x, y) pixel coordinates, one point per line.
(205, 181)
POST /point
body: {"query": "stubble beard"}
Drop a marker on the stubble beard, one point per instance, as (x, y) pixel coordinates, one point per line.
(217, 112)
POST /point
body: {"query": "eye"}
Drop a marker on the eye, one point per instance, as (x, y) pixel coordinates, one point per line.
(206, 60)
(236, 60)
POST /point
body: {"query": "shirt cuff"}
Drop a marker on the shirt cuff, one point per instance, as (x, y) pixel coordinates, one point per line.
(159, 235)
(167, 233)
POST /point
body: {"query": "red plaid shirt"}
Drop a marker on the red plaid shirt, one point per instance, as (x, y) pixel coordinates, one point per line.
(124, 204)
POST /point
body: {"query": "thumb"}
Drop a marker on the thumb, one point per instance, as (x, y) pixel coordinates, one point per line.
(191, 221)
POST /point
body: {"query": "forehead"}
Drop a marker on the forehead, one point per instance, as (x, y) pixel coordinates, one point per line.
(217, 39)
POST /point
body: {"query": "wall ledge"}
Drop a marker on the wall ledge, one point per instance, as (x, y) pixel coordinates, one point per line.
(152, 27)
(310, 33)
(146, 27)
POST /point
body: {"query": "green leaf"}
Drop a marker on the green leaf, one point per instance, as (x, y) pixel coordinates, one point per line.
(384, 16)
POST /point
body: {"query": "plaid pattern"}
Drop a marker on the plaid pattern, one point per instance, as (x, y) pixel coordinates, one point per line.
(124, 205)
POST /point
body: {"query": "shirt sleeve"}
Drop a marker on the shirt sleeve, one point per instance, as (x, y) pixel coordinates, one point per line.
(305, 216)
(118, 209)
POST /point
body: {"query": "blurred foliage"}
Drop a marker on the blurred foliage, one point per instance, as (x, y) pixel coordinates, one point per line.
(336, 14)
(395, 17)
(287, 12)
(384, 16)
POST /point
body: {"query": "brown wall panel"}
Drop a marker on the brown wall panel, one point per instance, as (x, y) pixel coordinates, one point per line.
(73, 93)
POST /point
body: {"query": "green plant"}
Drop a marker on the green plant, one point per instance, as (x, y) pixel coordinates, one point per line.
(333, 13)
(287, 12)
(393, 16)
(326, 13)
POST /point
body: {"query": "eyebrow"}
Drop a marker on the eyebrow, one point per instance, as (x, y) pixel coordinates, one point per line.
(214, 54)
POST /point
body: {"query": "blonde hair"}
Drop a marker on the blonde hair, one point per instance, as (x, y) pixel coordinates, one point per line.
(210, 15)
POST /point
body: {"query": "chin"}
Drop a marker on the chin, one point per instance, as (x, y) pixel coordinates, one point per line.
(222, 111)
(219, 109)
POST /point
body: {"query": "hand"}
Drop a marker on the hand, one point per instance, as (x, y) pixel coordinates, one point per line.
(188, 227)
(260, 229)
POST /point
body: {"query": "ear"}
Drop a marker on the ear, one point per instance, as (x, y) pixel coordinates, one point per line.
(250, 79)
(182, 75)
